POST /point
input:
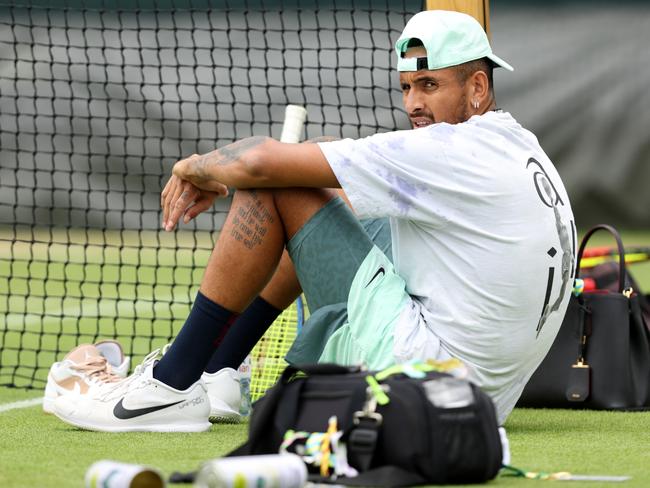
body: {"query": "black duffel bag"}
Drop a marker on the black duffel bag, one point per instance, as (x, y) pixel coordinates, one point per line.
(435, 429)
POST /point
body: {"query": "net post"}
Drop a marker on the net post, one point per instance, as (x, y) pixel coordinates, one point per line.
(479, 9)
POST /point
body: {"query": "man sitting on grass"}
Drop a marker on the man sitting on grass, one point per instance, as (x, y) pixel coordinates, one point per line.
(479, 267)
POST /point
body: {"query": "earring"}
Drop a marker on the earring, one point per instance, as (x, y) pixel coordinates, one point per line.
(475, 103)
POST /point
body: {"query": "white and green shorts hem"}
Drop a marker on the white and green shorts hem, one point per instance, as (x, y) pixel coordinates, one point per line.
(376, 301)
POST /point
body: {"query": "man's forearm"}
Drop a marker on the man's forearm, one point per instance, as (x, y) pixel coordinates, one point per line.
(258, 162)
(229, 165)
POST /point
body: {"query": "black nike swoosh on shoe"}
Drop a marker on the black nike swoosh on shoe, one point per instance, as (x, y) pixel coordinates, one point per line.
(124, 413)
(380, 271)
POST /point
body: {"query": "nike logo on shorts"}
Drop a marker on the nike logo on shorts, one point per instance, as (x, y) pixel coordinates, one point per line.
(124, 413)
(380, 271)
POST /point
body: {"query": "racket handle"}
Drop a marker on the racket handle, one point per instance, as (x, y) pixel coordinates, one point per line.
(294, 121)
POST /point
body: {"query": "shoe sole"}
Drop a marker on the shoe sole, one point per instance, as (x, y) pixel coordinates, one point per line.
(199, 427)
(225, 418)
(224, 415)
(50, 395)
(220, 412)
(48, 405)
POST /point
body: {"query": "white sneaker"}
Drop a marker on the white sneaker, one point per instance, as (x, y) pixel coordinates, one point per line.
(224, 392)
(138, 403)
(82, 368)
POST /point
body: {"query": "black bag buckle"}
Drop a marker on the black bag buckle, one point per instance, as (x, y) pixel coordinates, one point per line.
(374, 416)
(370, 407)
(362, 440)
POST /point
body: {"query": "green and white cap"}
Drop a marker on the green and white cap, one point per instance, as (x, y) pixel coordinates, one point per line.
(450, 38)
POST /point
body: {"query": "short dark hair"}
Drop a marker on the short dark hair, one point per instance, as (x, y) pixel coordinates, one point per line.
(414, 42)
(465, 70)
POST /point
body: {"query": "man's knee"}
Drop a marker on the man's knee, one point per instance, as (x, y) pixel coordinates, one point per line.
(297, 205)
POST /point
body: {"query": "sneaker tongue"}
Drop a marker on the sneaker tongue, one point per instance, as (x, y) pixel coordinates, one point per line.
(112, 351)
(83, 353)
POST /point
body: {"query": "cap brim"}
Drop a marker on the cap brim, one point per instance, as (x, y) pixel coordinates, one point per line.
(500, 62)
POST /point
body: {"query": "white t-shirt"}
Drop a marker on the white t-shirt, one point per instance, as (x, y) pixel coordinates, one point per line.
(482, 233)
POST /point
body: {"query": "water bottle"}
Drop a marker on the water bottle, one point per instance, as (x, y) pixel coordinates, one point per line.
(113, 474)
(244, 371)
(268, 471)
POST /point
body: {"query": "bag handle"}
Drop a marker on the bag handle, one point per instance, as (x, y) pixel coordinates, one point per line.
(621, 252)
(317, 369)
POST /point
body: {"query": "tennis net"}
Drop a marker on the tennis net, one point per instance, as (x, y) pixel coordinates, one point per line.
(98, 99)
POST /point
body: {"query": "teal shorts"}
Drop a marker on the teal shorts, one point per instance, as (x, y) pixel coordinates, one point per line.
(352, 291)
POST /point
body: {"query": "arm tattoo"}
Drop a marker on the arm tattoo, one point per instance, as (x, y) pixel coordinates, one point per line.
(234, 151)
(227, 154)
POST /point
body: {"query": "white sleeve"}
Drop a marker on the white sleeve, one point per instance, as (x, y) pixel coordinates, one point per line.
(403, 174)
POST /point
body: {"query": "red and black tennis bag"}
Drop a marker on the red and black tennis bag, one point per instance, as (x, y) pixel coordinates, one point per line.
(398, 428)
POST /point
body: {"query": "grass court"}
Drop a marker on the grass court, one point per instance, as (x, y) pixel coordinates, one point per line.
(70, 286)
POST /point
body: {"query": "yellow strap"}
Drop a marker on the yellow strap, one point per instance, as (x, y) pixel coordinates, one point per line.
(325, 446)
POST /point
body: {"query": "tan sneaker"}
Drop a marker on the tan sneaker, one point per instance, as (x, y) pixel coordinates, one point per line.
(82, 368)
(112, 350)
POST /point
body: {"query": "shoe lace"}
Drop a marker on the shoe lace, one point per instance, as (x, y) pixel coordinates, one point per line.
(98, 369)
(122, 386)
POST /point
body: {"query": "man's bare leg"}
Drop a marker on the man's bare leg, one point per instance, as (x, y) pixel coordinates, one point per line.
(243, 264)
(279, 293)
(283, 288)
(251, 244)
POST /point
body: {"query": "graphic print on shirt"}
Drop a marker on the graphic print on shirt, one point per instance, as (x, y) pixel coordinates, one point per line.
(550, 197)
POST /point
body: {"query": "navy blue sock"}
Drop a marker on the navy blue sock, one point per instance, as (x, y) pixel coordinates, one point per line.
(204, 329)
(243, 335)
